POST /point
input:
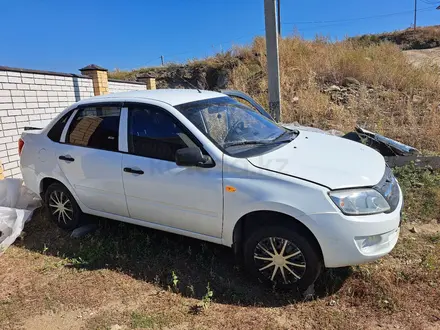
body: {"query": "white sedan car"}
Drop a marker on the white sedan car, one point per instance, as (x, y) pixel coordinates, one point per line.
(200, 164)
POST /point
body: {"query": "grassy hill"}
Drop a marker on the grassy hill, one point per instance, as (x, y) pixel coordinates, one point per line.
(330, 85)
(421, 38)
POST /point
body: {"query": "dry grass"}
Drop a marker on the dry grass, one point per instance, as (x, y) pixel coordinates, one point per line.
(129, 277)
(120, 278)
(393, 97)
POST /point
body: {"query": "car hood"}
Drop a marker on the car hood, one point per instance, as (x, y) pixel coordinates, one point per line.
(327, 160)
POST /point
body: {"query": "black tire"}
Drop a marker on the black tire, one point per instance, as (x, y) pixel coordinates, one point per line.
(57, 194)
(307, 264)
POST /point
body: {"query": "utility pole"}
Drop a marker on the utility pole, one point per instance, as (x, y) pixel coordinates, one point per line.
(415, 15)
(162, 59)
(273, 64)
(279, 16)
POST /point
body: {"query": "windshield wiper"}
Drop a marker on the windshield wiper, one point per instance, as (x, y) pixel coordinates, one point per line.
(279, 139)
(291, 136)
(243, 143)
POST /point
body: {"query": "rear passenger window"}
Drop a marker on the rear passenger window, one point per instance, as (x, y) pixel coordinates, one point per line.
(95, 127)
(57, 129)
(155, 134)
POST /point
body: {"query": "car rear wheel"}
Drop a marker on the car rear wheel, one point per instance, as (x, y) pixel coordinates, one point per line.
(282, 256)
(62, 207)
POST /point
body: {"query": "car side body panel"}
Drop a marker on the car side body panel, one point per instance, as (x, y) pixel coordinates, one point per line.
(261, 190)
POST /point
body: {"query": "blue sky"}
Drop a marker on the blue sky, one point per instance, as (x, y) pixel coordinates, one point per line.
(61, 35)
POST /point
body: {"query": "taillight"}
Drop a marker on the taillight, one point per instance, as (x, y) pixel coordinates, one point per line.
(20, 146)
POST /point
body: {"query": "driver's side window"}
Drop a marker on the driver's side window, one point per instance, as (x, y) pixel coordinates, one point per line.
(154, 133)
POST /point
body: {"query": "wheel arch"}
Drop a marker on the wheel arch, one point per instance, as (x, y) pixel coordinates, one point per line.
(255, 219)
(47, 181)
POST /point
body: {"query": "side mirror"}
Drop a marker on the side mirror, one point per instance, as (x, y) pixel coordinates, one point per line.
(191, 157)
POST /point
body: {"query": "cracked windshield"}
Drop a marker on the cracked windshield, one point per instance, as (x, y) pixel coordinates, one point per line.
(229, 123)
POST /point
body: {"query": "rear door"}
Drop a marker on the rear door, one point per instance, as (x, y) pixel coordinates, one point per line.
(90, 159)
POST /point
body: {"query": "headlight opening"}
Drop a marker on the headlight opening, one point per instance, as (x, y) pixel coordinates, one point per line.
(359, 201)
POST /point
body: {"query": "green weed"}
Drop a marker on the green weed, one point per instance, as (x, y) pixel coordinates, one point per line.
(434, 238)
(175, 280)
(140, 320)
(421, 191)
(76, 262)
(207, 298)
(190, 290)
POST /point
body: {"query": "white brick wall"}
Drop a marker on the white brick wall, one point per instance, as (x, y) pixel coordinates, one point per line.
(116, 87)
(32, 99)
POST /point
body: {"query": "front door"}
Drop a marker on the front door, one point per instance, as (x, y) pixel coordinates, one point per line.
(159, 191)
(90, 160)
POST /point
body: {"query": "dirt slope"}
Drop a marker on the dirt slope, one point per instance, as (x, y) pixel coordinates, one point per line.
(420, 57)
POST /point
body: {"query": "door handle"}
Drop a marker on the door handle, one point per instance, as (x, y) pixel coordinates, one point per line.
(67, 158)
(131, 170)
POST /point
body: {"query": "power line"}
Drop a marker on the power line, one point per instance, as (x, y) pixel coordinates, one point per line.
(326, 25)
(174, 55)
(333, 23)
(430, 2)
(358, 18)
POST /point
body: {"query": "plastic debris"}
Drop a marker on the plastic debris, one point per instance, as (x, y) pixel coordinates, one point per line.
(384, 145)
(17, 203)
(84, 230)
(309, 293)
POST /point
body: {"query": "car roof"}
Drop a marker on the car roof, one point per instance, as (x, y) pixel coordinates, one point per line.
(170, 96)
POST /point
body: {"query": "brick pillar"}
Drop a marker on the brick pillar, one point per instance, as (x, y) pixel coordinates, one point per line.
(148, 79)
(99, 76)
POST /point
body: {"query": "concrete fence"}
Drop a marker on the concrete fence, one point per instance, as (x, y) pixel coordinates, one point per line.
(116, 86)
(33, 98)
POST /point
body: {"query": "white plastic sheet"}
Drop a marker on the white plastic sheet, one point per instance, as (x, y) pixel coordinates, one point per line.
(17, 204)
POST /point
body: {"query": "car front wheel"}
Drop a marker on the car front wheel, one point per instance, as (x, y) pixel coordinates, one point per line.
(282, 256)
(62, 207)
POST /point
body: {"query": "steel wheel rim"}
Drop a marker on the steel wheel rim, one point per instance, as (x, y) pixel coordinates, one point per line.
(61, 206)
(279, 260)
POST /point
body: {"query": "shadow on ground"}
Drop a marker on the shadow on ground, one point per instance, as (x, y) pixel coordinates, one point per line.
(153, 256)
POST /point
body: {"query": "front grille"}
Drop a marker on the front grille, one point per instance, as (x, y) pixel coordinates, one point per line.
(389, 189)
